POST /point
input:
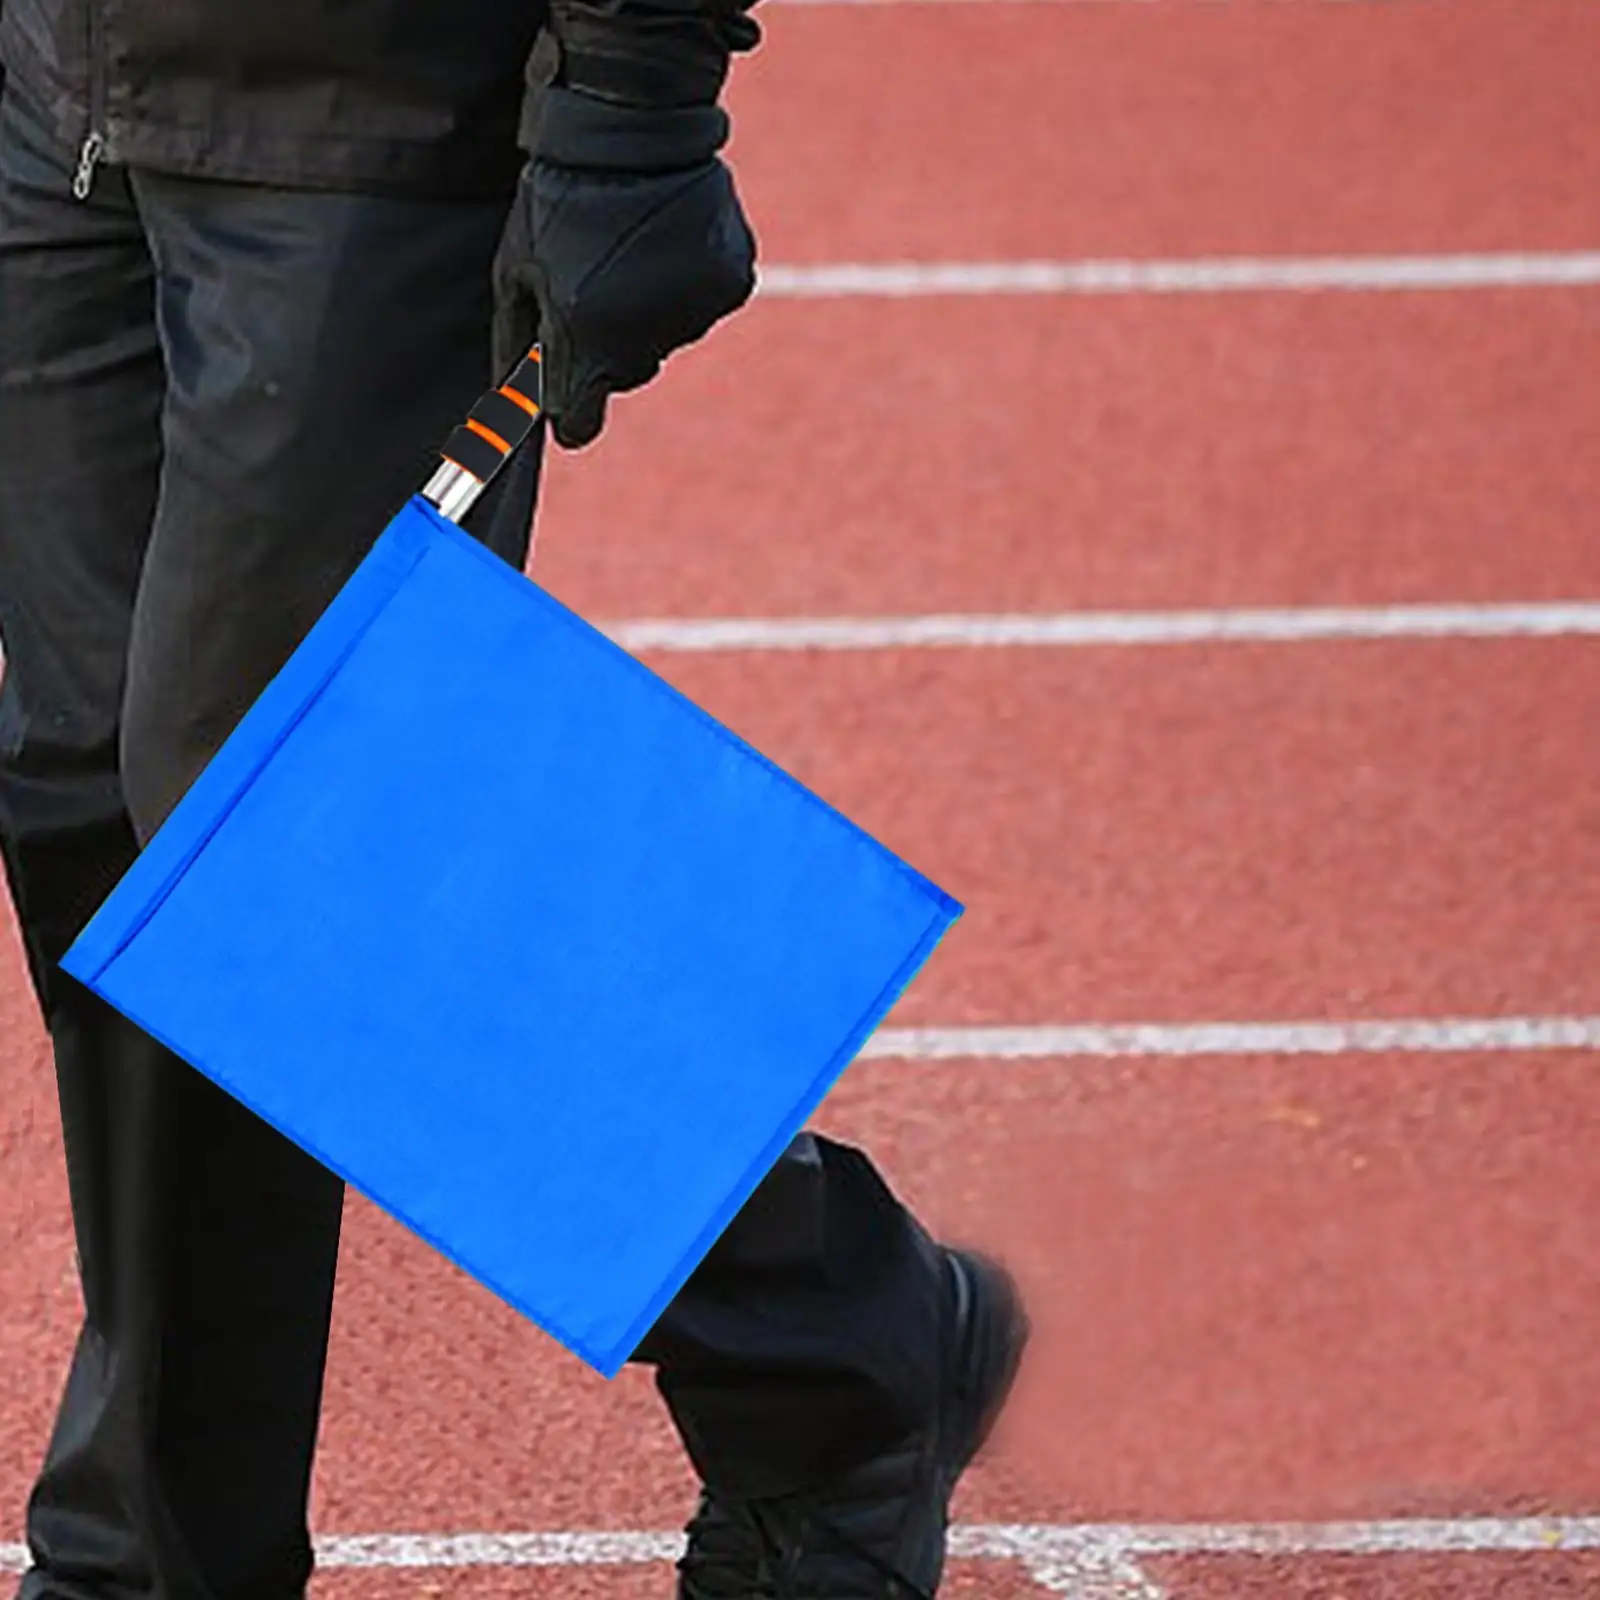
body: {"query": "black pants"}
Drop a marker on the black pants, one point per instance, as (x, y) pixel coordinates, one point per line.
(212, 397)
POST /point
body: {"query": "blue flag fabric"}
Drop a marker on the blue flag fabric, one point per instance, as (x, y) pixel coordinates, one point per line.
(492, 921)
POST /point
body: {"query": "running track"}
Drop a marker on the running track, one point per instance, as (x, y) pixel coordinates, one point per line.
(1200, 311)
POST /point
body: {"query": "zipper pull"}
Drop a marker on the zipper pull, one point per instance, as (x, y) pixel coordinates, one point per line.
(94, 147)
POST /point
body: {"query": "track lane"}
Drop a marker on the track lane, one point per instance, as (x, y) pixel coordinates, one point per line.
(1355, 830)
(1012, 131)
(893, 458)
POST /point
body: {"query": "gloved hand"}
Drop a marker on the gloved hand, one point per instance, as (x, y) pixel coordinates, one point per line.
(626, 242)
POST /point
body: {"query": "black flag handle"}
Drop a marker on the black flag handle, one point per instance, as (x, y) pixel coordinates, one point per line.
(495, 427)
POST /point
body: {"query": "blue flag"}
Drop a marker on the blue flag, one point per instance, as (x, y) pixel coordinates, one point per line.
(535, 953)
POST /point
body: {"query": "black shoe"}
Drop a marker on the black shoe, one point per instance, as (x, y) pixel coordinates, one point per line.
(878, 1532)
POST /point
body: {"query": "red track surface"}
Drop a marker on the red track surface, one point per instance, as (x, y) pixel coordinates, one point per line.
(1181, 127)
(1245, 831)
(1356, 1287)
(972, 455)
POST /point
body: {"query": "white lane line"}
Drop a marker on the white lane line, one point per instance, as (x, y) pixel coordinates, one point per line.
(1219, 275)
(601, 1549)
(1063, 628)
(1401, 1536)
(1443, 1035)
(1086, 1561)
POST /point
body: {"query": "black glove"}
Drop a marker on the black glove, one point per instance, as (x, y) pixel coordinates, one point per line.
(626, 243)
(627, 240)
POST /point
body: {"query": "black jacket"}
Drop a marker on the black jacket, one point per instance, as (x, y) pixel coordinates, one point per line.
(417, 97)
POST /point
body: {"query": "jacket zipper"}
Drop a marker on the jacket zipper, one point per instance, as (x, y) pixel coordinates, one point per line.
(89, 157)
(92, 152)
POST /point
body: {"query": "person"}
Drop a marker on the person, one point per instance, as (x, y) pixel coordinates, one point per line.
(255, 261)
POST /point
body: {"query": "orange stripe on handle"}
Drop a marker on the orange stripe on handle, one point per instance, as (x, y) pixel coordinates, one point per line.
(489, 434)
(521, 400)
